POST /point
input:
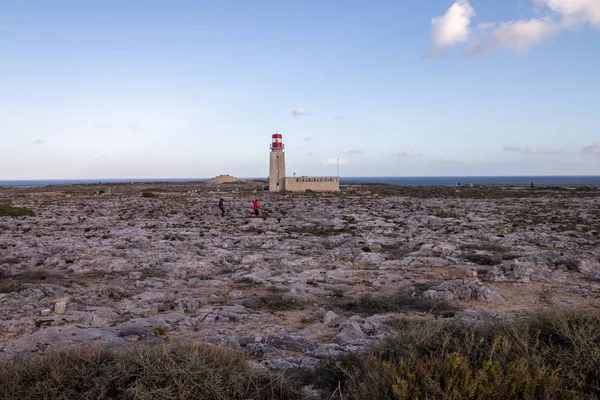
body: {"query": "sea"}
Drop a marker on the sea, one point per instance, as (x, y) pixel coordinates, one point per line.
(569, 181)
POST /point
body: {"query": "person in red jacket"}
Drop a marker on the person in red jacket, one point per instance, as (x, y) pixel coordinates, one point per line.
(255, 206)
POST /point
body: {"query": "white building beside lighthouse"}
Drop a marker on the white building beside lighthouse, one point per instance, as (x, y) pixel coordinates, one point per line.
(278, 182)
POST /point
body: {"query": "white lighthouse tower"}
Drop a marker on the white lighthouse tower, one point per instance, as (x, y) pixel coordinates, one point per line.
(277, 165)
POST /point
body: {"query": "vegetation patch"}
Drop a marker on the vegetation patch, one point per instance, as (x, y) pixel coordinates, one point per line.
(10, 211)
(325, 231)
(550, 355)
(400, 302)
(10, 286)
(272, 302)
(154, 190)
(571, 264)
(445, 214)
(160, 330)
(153, 272)
(489, 247)
(175, 371)
(484, 259)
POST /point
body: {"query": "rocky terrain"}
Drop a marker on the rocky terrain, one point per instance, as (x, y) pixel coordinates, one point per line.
(316, 275)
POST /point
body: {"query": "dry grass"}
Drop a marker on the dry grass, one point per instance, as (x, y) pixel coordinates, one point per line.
(401, 302)
(271, 302)
(10, 286)
(144, 372)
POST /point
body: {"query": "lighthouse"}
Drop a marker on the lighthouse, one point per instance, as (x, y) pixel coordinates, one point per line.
(277, 164)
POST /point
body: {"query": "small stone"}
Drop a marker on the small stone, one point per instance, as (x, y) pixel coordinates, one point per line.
(60, 307)
(45, 312)
(472, 275)
(136, 275)
(330, 317)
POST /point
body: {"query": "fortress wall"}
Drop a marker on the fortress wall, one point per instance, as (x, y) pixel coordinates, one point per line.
(316, 183)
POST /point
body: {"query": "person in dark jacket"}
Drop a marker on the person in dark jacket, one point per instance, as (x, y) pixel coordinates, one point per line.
(255, 206)
(222, 206)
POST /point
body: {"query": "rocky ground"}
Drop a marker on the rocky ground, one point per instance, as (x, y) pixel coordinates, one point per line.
(316, 275)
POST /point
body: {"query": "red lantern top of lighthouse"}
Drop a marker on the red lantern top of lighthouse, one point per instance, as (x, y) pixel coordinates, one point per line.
(277, 142)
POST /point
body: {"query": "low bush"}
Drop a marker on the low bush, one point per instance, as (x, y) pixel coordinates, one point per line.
(144, 372)
(445, 214)
(549, 355)
(10, 211)
(483, 259)
(272, 302)
(10, 286)
(400, 302)
(553, 354)
(154, 190)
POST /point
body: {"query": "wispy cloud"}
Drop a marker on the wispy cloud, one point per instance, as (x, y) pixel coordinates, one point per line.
(519, 36)
(338, 117)
(407, 153)
(355, 152)
(135, 128)
(39, 141)
(593, 149)
(535, 151)
(308, 139)
(300, 112)
(334, 161)
(104, 125)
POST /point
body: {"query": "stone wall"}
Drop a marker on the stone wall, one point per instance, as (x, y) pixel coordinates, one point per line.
(316, 183)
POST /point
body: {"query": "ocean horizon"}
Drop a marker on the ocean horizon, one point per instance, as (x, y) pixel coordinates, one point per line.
(543, 180)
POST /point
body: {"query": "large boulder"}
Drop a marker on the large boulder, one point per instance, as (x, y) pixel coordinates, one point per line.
(464, 289)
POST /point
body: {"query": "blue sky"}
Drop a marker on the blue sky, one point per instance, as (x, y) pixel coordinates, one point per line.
(182, 88)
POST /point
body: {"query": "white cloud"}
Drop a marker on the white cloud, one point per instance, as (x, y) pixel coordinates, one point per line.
(453, 27)
(593, 149)
(535, 151)
(408, 153)
(355, 152)
(556, 16)
(308, 139)
(334, 161)
(300, 112)
(575, 12)
(39, 141)
(338, 117)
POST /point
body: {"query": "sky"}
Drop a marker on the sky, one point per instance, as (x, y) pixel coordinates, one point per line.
(195, 88)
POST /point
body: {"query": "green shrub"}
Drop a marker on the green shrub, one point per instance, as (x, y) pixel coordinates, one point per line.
(160, 330)
(10, 211)
(550, 355)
